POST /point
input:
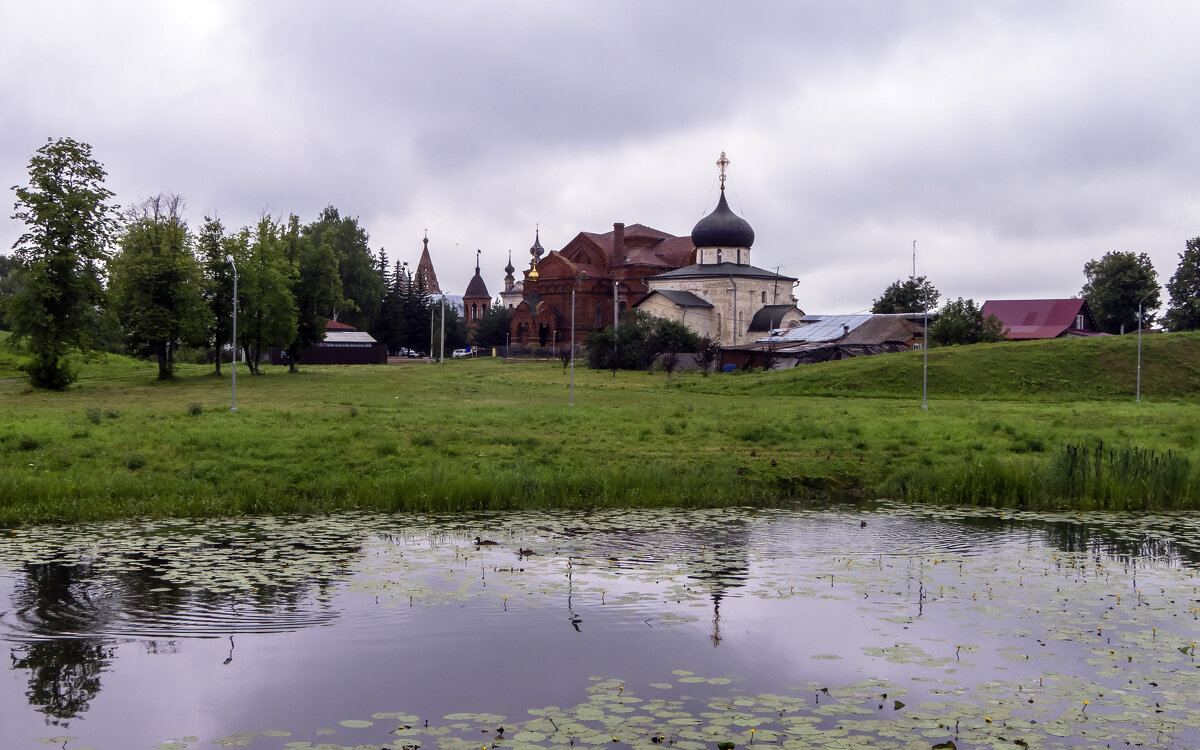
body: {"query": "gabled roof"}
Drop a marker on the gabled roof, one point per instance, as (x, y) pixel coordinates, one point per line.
(1040, 318)
(709, 270)
(683, 299)
(333, 325)
(645, 245)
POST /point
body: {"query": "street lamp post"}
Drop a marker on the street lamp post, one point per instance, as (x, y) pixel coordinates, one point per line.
(573, 288)
(1137, 393)
(233, 354)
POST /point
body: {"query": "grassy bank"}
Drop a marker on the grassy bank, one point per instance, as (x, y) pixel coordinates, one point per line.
(488, 434)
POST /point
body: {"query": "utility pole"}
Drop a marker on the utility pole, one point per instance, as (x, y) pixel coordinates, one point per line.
(233, 354)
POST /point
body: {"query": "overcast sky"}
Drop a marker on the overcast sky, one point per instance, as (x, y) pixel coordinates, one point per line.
(1013, 140)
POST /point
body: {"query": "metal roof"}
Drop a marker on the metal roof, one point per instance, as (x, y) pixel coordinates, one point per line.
(709, 270)
(349, 337)
(683, 299)
(1038, 318)
(820, 328)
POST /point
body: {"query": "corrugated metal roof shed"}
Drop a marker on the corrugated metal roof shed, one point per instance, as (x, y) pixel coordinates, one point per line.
(1039, 318)
(820, 328)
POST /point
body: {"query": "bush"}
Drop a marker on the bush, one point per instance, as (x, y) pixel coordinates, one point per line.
(194, 408)
(94, 414)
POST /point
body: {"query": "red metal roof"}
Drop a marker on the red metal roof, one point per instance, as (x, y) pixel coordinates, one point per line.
(333, 325)
(1040, 318)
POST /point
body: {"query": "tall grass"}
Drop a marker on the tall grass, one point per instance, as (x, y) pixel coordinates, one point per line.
(1085, 477)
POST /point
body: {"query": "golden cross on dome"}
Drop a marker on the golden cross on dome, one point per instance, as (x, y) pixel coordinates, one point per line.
(722, 163)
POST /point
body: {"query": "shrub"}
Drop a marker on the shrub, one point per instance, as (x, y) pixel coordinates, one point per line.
(94, 414)
(194, 408)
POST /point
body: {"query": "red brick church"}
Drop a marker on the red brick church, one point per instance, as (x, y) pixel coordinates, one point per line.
(607, 272)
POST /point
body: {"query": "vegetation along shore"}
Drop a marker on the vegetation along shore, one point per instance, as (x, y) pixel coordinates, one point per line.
(1039, 424)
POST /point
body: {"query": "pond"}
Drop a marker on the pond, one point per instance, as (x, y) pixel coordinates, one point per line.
(889, 626)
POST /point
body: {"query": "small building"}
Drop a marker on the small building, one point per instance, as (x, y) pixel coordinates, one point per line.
(821, 338)
(1043, 318)
(343, 345)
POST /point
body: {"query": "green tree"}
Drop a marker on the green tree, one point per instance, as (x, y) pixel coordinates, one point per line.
(266, 308)
(493, 326)
(706, 353)
(637, 342)
(69, 226)
(911, 296)
(1115, 284)
(212, 247)
(363, 288)
(10, 282)
(316, 288)
(156, 285)
(418, 315)
(962, 322)
(1184, 286)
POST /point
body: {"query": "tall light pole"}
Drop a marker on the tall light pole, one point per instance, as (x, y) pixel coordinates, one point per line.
(573, 288)
(233, 357)
(1137, 393)
(442, 353)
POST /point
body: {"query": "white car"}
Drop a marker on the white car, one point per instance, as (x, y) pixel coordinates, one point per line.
(459, 353)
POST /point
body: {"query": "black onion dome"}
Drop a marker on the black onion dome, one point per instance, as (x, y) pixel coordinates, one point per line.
(509, 268)
(722, 228)
(537, 250)
(476, 288)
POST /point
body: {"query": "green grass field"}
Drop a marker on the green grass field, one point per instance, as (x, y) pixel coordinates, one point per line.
(1040, 424)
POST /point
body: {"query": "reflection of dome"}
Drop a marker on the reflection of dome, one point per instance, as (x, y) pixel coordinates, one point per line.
(722, 228)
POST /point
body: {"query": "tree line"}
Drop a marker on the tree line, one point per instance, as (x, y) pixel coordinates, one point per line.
(1121, 288)
(86, 275)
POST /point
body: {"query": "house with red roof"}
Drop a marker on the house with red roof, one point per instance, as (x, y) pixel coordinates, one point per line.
(1043, 318)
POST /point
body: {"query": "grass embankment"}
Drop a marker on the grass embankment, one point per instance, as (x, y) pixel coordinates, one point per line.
(1006, 425)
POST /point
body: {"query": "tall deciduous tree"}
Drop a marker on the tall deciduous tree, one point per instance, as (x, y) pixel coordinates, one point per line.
(10, 271)
(212, 247)
(1184, 286)
(1114, 286)
(962, 322)
(362, 287)
(911, 296)
(156, 285)
(266, 308)
(69, 226)
(316, 288)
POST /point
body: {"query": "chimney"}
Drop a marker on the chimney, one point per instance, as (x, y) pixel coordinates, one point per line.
(845, 330)
(619, 242)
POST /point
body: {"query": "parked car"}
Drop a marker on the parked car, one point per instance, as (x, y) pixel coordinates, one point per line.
(460, 353)
(413, 354)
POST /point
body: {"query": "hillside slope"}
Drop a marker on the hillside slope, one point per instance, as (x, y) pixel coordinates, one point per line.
(1100, 368)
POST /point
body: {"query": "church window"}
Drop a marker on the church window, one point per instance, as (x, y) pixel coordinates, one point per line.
(599, 312)
(764, 297)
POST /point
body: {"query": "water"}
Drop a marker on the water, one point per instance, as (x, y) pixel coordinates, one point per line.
(656, 628)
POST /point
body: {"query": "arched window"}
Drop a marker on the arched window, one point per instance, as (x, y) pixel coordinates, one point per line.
(599, 312)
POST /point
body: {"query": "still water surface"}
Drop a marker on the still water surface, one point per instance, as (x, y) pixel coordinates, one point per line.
(800, 628)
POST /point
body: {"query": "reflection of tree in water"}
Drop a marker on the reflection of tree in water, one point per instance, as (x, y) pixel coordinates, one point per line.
(73, 611)
(64, 673)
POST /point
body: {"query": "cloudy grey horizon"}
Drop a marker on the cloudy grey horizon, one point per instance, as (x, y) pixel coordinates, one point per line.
(1013, 141)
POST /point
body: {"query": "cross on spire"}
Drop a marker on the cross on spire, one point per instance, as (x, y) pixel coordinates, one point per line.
(722, 163)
